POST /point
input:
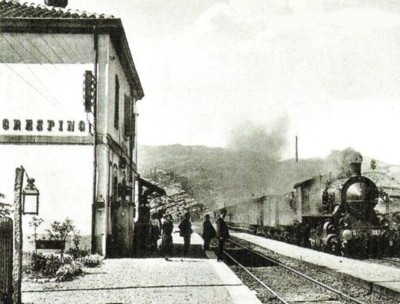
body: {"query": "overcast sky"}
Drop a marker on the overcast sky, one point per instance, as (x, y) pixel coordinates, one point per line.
(329, 70)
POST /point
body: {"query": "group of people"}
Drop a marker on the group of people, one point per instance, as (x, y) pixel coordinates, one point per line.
(222, 233)
(164, 230)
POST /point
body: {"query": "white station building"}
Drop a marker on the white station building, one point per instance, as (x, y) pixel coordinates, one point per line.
(82, 155)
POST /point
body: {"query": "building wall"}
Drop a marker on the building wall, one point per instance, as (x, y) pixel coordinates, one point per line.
(63, 176)
(41, 84)
(115, 152)
(40, 95)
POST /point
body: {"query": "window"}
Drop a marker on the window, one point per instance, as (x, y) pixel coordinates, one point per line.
(116, 105)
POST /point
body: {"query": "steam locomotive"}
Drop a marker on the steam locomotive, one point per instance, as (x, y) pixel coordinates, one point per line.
(332, 214)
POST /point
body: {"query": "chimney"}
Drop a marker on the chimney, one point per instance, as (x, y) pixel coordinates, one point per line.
(56, 3)
(355, 168)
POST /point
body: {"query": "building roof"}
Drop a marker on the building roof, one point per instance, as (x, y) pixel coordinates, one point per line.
(16, 9)
(35, 18)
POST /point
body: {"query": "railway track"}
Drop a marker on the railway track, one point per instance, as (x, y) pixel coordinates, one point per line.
(284, 284)
(393, 261)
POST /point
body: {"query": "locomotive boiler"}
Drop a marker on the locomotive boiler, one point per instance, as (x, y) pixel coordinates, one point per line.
(330, 213)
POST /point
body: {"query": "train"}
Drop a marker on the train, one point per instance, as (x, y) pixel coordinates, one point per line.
(335, 214)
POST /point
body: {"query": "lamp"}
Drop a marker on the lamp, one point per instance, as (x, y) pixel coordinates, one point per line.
(30, 194)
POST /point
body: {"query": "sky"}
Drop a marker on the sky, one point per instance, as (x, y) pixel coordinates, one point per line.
(327, 70)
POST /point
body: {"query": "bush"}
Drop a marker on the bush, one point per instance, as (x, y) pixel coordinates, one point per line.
(68, 271)
(46, 266)
(92, 260)
(77, 253)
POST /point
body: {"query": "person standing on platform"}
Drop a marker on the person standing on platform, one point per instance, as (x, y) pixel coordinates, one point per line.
(186, 231)
(155, 232)
(208, 232)
(167, 245)
(222, 234)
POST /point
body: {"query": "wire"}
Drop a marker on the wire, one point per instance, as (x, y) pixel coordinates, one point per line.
(55, 53)
(70, 48)
(30, 53)
(56, 102)
(28, 83)
(62, 48)
(34, 75)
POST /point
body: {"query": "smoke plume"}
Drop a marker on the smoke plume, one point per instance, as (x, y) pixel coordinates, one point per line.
(267, 140)
(339, 161)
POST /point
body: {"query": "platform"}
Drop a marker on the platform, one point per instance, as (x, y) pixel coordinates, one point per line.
(147, 281)
(377, 278)
(196, 244)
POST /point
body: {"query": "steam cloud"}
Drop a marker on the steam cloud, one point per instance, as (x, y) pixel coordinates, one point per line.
(339, 161)
(265, 140)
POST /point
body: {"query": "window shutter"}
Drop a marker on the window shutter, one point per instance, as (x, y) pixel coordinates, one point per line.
(116, 105)
(127, 117)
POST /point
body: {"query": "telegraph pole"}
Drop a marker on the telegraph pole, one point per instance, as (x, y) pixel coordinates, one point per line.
(297, 149)
(95, 135)
(17, 268)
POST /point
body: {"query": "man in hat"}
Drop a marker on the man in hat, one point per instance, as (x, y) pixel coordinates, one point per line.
(208, 232)
(167, 244)
(185, 229)
(222, 233)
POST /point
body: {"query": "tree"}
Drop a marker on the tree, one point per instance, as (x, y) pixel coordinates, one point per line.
(373, 164)
(5, 209)
(60, 231)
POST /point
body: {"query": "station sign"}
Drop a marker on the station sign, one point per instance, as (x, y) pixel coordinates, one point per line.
(44, 125)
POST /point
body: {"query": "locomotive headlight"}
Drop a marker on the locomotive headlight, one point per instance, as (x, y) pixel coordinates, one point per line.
(347, 235)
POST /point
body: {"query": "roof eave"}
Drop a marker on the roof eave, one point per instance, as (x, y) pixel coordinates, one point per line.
(111, 26)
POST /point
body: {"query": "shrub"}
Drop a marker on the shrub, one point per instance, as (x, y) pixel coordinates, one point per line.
(45, 265)
(68, 271)
(92, 260)
(77, 253)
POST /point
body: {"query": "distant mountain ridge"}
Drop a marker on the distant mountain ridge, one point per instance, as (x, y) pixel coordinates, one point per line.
(218, 176)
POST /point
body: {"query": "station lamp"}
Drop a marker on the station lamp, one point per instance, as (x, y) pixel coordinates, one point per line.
(30, 195)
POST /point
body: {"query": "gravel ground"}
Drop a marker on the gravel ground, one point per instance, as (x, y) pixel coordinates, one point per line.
(153, 280)
(274, 276)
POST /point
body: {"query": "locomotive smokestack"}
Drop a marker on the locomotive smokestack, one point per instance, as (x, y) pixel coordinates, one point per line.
(351, 162)
(355, 168)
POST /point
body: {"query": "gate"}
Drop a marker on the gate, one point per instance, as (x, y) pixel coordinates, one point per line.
(6, 259)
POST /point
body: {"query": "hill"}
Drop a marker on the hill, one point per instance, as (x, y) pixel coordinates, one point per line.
(216, 176)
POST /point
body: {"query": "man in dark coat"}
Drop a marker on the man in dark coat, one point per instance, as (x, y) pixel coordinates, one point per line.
(186, 231)
(167, 244)
(155, 232)
(222, 233)
(208, 232)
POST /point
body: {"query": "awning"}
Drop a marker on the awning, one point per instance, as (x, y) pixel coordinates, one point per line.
(150, 188)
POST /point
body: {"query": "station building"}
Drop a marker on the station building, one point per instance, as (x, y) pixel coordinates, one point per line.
(81, 149)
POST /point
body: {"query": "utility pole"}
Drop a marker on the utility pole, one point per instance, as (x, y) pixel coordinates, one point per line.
(297, 149)
(94, 244)
(17, 268)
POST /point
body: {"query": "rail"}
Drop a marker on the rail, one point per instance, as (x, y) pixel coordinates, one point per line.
(257, 279)
(300, 274)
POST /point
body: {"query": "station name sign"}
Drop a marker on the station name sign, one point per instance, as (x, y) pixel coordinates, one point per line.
(41, 125)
